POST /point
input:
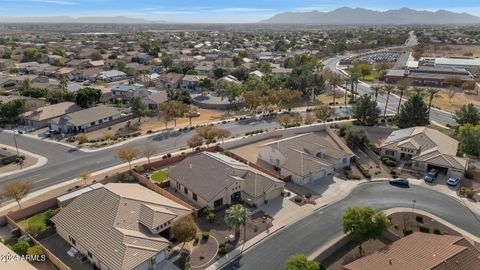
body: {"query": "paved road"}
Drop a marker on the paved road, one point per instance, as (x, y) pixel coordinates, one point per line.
(308, 234)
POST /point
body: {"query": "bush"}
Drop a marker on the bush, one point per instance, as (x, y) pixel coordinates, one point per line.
(390, 163)
(419, 218)
(469, 193)
(205, 235)
(222, 251)
(298, 198)
(424, 228)
(139, 169)
(436, 231)
(364, 171)
(34, 229)
(407, 232)
(127, 178)
(211, 217)
(308, 195)
(6, 162)
(35, 250)
(21, 248)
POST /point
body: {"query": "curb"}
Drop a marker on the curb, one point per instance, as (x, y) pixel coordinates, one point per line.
(41, 160)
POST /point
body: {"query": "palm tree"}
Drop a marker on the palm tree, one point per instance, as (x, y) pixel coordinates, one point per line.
(402, 87)
(355, 79)
(235, 216)
(388, 88)
(346, 81)
(376, 89)
(433, 93)
(334, 80)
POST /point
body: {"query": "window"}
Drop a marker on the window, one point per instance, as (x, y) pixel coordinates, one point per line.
(218, 203)
(92, 124)
(100, 121)
(89, 254)
(389, 153)
(110, 118)
(194, 197)
(185, 190)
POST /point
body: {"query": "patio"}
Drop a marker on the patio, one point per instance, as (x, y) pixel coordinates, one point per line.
(59, 248)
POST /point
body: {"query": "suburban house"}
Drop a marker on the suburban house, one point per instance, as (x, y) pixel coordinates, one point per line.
(154, 99)
(168, 81)
(125, 92)
(215, 180)
(85, 120)
(426, 149)
(422, 251)
(190, 82)
(112, 75)
(39, 118)
(120, 226)
(308, 157)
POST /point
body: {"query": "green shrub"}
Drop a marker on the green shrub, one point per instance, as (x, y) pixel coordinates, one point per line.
(407, 232)
(127, 178)
(419, 218)
(35, 250)
(469, 193)
(139, 169)
(205, 235)
(211, 217)
(222, 251)
(298, 198)
(436, 231)
(34, 229)
(391, 163)
(21, 248)
(424, 228)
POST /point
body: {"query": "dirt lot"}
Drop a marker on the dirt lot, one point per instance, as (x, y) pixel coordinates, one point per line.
(440, 50)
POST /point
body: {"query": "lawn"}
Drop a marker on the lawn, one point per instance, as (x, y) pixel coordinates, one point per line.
(160, 176)
(37, 221)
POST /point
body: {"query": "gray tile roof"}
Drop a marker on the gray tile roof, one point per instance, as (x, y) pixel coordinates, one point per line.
(86, 116)
(109, 223)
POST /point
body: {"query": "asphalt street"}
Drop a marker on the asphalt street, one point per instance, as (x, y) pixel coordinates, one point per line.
(308, 234)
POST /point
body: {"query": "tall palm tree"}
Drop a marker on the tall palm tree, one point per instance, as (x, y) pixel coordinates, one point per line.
(402, 87)
(334, 81)
(346, 81)
(355, 77)
(388, 89)
(433, 93)
(235, 216)
(376, 89)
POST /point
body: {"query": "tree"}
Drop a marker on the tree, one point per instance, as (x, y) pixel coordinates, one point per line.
(432, 94)
(252, 100)
(35, 250)
(128, 154)
(209, 133)
(182, 95)
(139, 109)
(172, 110)
(223, 133)
(355, 136)
(288, 98)
(334, 80)
(414, 112)
(388, 88)
(195, 141)
(469, 136)
(284, 120)
(184, 229)
(451, 93)
(467, 114)
(95, 56)
(31, 55)
(323, 112)
(17, 190)
(376, 89)
(88, 97)
(403, 86)
(63, 83)
(12, 109)
(309, 119)
(149, 150)
(21, 248)
(365, 110)
(163, 113)
(364, 223)
(85, 176)
(235, 216)
(300, 262)
(230, 90)
(206, 84)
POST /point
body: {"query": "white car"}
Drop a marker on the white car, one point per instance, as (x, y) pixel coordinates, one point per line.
(453, 181)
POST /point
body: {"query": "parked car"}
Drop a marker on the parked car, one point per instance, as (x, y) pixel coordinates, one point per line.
(431, 175)
(399, 182)
(453, 181)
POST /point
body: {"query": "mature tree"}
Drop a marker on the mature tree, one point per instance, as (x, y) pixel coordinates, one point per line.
(334, 80)
(219, 72)
(128, 154)
(364, 223)
(467, 114)
(451, 93)
(301, 262)
(88, 97)
(172, 110)
(31, 55)
(12, 109)
(181, 94)
(195, 141)
(149, 150)
(376, 89)
(163, 113)
(209, 133)
(288, 98)
(223, 133)
(139, 109)
(354, 80)
(469, 136)
(323, 112)
(256, 84)
(414, 112)
(252, 100)
(388, 89)
(355, 136)
(63, 83)
(85, 176)
(365, 110)
(230, 90)
(95, 56)
(402, 86)
(184, 229)
(432, 94)
(284, 120)
(235, 216)
(309, 119)
(207, 84)
(17, 190)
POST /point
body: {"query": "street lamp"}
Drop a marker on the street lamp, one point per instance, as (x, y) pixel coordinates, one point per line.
(15, 132)
(413, 206)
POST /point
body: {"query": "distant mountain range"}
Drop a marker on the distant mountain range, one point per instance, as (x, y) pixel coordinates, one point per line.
(67, 19)
(356, 16)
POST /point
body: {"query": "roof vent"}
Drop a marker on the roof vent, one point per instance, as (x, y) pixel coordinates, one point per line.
(390, 262)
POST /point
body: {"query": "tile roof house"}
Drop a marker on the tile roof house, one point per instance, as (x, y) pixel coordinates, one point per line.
(191, 82)
(422, 251)
(308, 157)
(169, 80)
(425, 149)
(215, 180)
(116, 226)
(85, 120)
(39, 118)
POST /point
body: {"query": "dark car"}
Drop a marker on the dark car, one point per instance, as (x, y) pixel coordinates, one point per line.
(399, 182)
(431, 175)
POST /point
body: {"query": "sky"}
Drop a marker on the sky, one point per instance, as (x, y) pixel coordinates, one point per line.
(216, 11)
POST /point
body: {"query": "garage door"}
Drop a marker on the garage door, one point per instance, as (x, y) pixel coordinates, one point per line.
(318, 175)
(441, 170)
